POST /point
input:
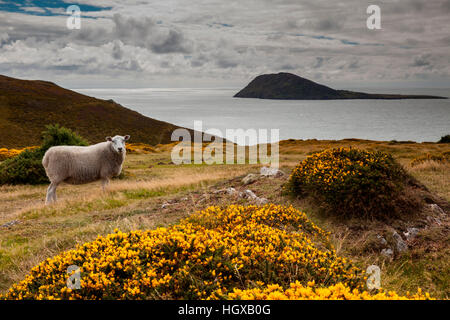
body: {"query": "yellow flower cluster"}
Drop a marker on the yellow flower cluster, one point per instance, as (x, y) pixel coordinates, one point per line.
(10, 153)
(349, 180)
(205, 256)
(140, 148)
(334, 165)
(218, 253)
(340, 291)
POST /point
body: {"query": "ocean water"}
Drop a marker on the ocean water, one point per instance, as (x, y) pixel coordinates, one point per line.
(416, 120)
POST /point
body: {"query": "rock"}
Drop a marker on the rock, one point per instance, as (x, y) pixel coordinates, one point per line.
(165, 205)
(249, 194)
(399, 243)
(250, 178)
(411, 233)
(10, 224)
(230, 191)
(271, 172)
(261, 201)
(433, 220)
(436, 209)
(382, 240)
(388, 253)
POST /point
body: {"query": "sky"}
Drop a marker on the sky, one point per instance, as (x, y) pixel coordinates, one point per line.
(218, 43)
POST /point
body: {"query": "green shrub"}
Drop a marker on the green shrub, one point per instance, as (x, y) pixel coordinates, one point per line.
(351, 182)
(26, 168)
(445, 139)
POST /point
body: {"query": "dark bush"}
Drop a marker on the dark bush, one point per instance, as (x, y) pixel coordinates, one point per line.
(445, 139)
(26, 168)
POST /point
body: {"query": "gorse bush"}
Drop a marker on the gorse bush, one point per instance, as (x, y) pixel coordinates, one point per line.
(340, 291)
(11, 153)
(26, 167)
(205, 256)
(218, 253)
(351, 182)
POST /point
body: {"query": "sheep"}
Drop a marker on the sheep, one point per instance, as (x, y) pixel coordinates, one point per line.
(79, 165)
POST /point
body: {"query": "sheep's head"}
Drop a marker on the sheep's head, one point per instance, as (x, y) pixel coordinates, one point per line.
(118, 143)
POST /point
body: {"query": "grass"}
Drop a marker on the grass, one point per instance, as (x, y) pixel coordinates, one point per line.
(135, 202)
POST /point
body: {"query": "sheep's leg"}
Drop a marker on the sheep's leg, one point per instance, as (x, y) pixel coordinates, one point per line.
(105, 183)
(51, 193)
(54, 191)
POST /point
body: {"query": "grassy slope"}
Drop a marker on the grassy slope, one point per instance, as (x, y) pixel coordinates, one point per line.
(27, 106)
(135, 203)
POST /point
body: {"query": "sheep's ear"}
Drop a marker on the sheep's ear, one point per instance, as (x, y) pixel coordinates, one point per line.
(108, 139)
(127, 137)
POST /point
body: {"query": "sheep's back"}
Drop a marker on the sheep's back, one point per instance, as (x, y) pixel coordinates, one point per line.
(74, 164)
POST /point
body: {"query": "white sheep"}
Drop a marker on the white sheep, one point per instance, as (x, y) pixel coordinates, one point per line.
(79, 165)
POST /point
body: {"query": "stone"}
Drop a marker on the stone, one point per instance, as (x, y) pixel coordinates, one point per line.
(271, 172)
(436, 209)
(230, 191)
(10, 224)
(165, 205)
(249, 194)
(250, 178)
(382, 240)
(411, 233)
(388, 253)
(400, 244)
(433, 220)
(261, 201)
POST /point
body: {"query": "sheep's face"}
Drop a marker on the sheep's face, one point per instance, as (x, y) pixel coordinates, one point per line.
(118, 143)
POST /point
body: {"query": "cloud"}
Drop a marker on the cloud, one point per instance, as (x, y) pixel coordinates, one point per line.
(423, 60)
(229, 41)
(144, 32)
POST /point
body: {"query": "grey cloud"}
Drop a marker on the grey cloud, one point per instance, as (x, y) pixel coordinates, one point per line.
(327, 25)
(117, 52)
(225, 62)
(173, 42)
(319, 62)
(423, 61)
(446, 6)
(144, 32)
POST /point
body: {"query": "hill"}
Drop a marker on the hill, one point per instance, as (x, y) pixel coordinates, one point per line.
(26, 106)
(288, 86)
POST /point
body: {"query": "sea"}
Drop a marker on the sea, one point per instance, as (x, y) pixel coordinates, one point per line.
(401, 120)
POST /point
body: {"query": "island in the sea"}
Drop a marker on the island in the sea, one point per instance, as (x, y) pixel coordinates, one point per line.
(288, 86)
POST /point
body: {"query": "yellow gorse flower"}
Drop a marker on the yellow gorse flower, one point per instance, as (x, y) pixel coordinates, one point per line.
(236, 252)
(349, 180)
